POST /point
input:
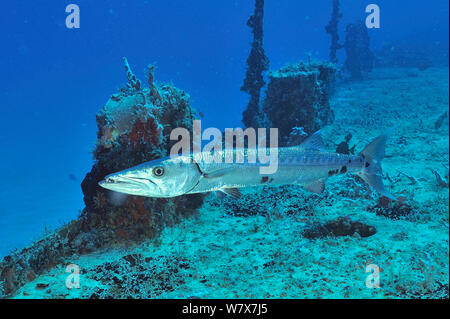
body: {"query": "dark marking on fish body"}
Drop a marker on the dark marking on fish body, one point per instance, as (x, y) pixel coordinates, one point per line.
(367, 164)
(264, 179)
(343, 169)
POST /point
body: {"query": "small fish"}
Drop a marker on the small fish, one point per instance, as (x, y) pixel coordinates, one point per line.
(308, 165)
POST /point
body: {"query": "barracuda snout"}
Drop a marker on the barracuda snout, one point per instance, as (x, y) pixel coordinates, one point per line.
(166, 177)
(128, 183)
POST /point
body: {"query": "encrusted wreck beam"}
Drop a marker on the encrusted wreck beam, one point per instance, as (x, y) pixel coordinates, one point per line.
(332, 30)
(357, 48)
(133, 81)
(257, 63)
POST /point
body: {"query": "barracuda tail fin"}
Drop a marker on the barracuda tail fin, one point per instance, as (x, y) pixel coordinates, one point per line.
(373, 154)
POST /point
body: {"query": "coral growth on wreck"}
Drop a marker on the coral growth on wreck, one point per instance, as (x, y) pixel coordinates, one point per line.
(360, 58)
(332, 29)
(257, 63)
(298, 96)
(133, 127)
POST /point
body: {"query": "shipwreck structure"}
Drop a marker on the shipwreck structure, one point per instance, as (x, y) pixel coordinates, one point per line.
(332, 29)
(360, 58)
(297, 100)
(257, 64)
(133, 127)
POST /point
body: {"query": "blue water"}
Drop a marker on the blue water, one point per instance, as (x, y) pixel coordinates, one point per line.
(54, 79)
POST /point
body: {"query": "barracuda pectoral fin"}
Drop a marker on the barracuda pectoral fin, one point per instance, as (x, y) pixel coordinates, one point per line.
(316, 187)
(217, 173)
(233, 192)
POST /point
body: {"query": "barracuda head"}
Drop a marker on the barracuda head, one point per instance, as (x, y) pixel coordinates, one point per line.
(168, 177)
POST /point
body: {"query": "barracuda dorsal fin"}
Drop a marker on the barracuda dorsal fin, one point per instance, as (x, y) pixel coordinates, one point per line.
(233, 192)
(316, 187)
(314, 142)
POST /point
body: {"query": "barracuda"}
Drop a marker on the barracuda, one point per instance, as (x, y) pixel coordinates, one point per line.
(308, 165)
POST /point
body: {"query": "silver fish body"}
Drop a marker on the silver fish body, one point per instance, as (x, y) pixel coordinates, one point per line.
(307, 165)
(296, 165)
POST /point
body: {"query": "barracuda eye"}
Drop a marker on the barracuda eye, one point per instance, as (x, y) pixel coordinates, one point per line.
(158, 171)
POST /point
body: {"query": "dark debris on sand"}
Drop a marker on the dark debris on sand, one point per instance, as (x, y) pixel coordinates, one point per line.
(134, 276)
(397, 210)
(270, 201)
(341, 226)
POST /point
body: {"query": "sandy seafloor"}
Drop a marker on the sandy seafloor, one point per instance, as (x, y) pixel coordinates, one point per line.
(220, 254)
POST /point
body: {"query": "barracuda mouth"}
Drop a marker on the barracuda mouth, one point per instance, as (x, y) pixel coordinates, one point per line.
(127, 185)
